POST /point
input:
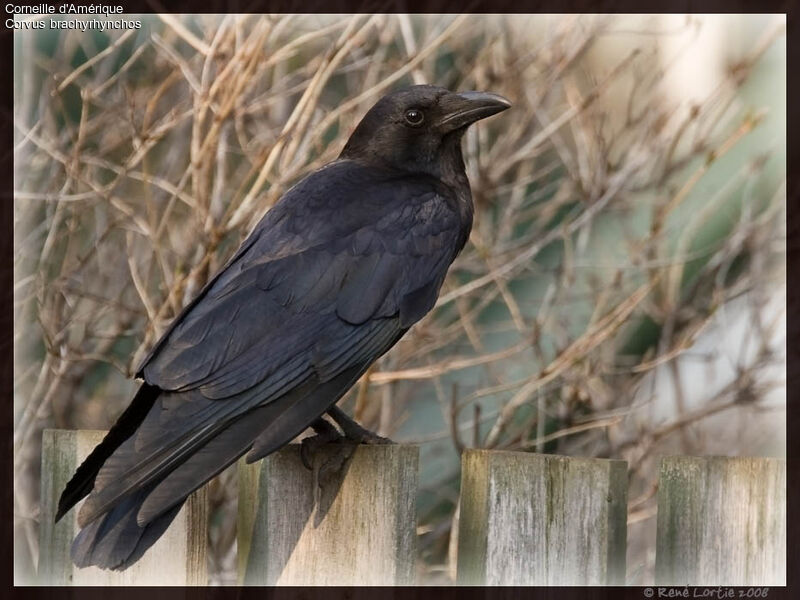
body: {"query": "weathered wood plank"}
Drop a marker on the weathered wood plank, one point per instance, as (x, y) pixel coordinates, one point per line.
(178, 558)
(537, 519)
(721, 521)
(361, 530)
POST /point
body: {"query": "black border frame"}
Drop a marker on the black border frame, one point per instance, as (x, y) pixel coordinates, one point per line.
(409, 6)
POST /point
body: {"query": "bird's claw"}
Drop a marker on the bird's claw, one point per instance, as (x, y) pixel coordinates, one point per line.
(331, 467)
(310, 445)
(368, 437)
(326, 468)
(355, 432)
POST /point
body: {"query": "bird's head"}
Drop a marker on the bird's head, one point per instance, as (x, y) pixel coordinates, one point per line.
(418, 127)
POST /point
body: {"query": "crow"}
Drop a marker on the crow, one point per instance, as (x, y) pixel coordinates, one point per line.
(331, 277)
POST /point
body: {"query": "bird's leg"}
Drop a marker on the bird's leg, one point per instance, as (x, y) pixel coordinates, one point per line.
(322, 427)
(354, 431)
(326, 433)
(329, 468)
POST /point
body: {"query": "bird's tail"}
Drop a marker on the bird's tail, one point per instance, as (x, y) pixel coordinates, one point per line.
(83, 481)
(116, 540)
(141, 490)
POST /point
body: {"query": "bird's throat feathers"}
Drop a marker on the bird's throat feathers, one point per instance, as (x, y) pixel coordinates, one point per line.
(440, 158)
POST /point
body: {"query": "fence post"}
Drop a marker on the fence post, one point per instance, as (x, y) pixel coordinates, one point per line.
(360, 530)
(178, 558)
(537, 519)
(721, 521)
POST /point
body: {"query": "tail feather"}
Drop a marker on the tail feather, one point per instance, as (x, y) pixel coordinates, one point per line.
(208, 460)
(119, 534)
(83, 481)
(116, 540)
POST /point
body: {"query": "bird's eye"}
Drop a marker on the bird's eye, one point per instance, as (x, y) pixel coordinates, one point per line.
(414, 117)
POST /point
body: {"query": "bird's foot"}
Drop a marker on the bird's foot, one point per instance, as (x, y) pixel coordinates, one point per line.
(331, 468)
(355, 432)
(330, 465)
(326, 434)
(365, 436)
(326, 466)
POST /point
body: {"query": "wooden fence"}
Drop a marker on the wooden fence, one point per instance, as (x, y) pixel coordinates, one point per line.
(525, 519)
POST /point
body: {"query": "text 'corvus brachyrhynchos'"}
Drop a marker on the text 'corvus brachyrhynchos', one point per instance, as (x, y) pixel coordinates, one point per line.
(333, 275)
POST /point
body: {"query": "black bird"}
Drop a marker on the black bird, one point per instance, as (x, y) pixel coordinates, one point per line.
(332, 276)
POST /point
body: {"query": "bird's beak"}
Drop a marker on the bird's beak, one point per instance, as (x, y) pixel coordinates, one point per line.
(465, 108)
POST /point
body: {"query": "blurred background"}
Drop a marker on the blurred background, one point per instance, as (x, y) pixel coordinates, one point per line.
(622, 294)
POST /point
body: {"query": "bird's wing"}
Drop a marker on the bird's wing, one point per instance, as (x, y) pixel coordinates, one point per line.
(331, 278)
(335, 253)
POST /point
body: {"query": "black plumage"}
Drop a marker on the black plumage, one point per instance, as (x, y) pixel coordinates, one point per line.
(333, 275)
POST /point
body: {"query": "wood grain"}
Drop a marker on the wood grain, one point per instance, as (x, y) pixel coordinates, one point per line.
(177, 558)
(359, 530)
(721, 521)
(536, 519)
